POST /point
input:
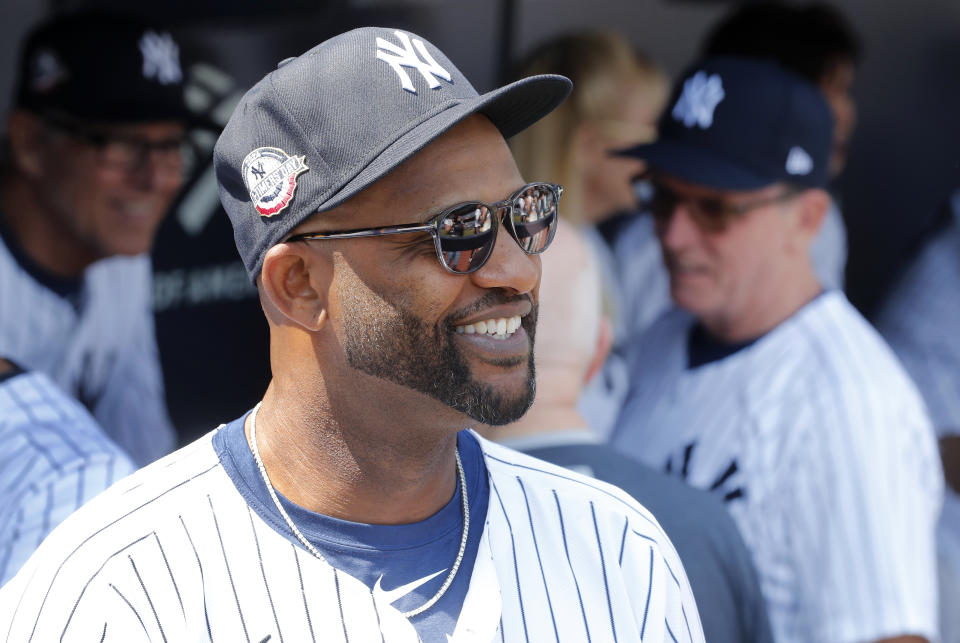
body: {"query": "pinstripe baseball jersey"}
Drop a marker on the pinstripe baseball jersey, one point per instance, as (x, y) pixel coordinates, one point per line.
(54, 459)
(919, 320)
(94, 338)
(182, 550)
(820, 445)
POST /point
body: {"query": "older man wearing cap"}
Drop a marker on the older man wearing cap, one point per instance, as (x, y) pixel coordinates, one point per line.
(381, 215)
(768, 390)
(94, 163)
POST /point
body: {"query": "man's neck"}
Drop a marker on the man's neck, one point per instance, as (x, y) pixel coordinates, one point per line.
(38, 233)
(347, 465)
(764, 312)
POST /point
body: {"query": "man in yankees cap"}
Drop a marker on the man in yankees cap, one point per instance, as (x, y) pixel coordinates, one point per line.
(379, 211)
(769, 390)
(94, 163)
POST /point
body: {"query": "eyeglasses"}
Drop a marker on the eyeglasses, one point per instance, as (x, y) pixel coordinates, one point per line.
(712, 214)
(464, 234)
(124, 152)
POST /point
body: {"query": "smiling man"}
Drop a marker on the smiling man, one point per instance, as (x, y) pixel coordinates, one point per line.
(769, 391)
(94, 163)
(394, 243)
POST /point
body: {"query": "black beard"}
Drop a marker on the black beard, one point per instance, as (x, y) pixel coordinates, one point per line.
(408, 352)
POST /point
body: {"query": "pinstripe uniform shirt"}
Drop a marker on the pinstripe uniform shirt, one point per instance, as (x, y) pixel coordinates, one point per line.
(821, 447)
(176, 553)
(919, 319)
(98, 344)
(54, 459)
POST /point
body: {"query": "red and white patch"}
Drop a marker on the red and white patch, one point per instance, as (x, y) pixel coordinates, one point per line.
(270, 175)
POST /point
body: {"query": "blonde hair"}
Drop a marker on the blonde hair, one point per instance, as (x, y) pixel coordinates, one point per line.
(601, 65)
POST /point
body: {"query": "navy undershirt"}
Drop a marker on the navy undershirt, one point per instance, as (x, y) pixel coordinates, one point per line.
(703, 348)
(400, 554)
(67, 287)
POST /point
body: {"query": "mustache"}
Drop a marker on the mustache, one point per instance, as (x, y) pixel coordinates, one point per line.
(495, 297)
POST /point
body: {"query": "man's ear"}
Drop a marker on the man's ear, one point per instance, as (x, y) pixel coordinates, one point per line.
(27, 135)
(296, 281)
(812, 211)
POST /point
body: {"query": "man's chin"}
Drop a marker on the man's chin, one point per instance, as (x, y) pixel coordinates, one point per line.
(495, 406)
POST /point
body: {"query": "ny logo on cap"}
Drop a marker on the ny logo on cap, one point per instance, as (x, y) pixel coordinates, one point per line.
(398, 58)
(700, 97)
(161, 58)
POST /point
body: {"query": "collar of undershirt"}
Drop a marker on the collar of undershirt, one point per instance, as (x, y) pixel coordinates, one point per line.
(703, 348)
(231, 446)
(66, 287)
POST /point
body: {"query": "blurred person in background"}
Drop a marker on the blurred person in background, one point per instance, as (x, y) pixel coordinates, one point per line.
(769, 389)
(816, 42)
(55, 458)
(573, 338)
(617, 97)
(93, 164)
(919, 320)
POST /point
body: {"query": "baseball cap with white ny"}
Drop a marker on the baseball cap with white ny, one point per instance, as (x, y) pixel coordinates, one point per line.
(327, 124)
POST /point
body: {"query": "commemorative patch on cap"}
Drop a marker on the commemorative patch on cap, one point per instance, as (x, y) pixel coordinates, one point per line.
(270, 175)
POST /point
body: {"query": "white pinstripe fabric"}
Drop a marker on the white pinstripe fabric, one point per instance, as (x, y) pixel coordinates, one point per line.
(101, 349)
(168, 555)
(822, 447)
(54, 459)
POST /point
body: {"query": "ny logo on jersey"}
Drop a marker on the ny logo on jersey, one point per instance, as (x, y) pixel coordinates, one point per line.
(161, 58)
(721, 483)
(700, 97)
(407, 56)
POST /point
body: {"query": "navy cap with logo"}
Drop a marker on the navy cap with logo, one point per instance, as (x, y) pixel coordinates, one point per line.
(327, 124)
(742, 124)
(102, 67)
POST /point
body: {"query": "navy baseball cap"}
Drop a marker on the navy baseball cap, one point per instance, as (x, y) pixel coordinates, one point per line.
(102, 67)
(742, 124)
(327, 124)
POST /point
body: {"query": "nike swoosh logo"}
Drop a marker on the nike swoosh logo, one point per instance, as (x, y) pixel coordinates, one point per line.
(390, 597)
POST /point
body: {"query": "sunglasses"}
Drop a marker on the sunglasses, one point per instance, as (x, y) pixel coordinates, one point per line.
(464, 234)
(712, 214)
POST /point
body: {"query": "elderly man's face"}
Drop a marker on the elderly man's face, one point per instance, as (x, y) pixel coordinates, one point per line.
(721, 274)
(108, 199)
(400, 316)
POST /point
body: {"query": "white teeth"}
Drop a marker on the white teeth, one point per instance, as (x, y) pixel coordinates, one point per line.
(500, 327)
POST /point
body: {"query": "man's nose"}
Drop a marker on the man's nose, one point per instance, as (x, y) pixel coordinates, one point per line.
(508, 266)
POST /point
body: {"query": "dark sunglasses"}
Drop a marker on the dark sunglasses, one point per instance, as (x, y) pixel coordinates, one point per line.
(464, 234)
(713, 214)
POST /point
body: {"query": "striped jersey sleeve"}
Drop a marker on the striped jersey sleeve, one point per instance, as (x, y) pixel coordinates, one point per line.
(55, 459)
(97, 344)
(564, 532)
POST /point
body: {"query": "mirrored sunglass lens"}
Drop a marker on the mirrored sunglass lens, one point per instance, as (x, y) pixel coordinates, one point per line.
(535, 217)
(466, 237)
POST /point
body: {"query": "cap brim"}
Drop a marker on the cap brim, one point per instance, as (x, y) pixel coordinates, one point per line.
(696, 165)
(511, 109)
